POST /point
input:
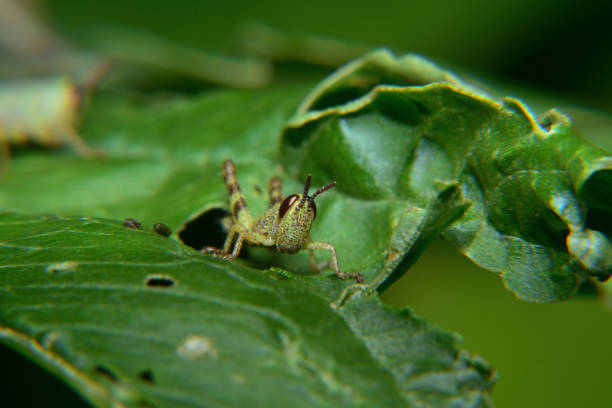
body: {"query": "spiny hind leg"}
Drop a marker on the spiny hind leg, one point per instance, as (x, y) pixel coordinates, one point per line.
(240, 210)
(240, 215)
(276, 191)
(334, 260)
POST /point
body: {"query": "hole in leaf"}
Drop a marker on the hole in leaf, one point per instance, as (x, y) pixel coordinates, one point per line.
(146, 376)
(105, 372)
(600, 220)
(159, 281)
(207, 229)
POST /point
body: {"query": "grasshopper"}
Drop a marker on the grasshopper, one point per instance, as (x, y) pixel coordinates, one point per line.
(285, 226)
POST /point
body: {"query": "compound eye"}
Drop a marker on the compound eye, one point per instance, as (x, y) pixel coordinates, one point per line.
(313, 207)
(286, 204)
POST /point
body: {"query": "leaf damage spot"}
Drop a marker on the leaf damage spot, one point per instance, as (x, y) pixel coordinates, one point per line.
(159, 281)
(147, 376)
(207, 229)
(62, 267)
(197, 346)
(106, 373)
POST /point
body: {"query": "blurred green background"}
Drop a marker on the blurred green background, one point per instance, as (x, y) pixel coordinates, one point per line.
(553, 51)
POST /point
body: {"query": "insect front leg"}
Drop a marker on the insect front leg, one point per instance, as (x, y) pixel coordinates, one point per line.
(236, 236)
(313, 262)
(77, 143)
(334, 260)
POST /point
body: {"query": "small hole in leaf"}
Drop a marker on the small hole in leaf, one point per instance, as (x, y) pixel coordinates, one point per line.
(546, 124)
(208, 229)
(105, 372)
(159, 281)
(147, 376)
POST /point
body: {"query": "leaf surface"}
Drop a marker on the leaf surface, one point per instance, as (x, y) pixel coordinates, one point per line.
(127, 316)
(540, 196)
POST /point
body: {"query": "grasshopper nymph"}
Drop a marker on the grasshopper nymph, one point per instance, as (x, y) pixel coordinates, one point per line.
(285, 226)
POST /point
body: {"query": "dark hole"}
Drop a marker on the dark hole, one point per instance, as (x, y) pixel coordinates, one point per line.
(159, 282)
(600, 220)
(146, 376)
(205, 230)
(546, 124)
(339, 97)
(103, 371)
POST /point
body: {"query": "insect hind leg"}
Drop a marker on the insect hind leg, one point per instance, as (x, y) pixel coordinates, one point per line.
(240, 211)
(276, 191)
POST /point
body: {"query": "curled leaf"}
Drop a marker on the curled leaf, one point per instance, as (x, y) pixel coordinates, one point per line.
(398, 127)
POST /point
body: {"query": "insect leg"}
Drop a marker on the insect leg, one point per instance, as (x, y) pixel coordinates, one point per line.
(240, 211)
(276, 191)
(334, 260)
(77, 143)
(237, 246)
(313, 262)
(227, 252)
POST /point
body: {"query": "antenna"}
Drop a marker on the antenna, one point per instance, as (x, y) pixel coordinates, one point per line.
(323, 189)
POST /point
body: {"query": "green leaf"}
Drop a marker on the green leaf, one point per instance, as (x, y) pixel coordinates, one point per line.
(130, 317)
(388, 127)
(422, 156)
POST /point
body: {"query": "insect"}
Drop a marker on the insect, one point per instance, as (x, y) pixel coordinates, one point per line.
(42, 111)
(132, 223)
(162, 229)
(285, 226)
